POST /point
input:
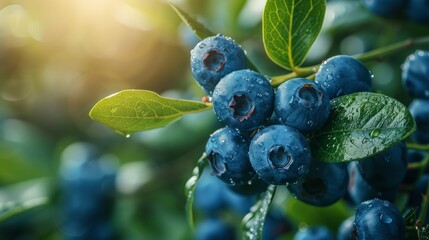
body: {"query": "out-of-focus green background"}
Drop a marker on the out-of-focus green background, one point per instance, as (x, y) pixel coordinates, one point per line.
(59, 57)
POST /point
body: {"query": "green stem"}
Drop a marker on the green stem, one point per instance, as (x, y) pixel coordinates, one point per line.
(423, 211)
(415, 146)
(371, 55)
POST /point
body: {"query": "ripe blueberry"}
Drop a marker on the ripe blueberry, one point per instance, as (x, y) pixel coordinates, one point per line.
(302, 104)
(385, 170)
(314, 233)
(209, 194)
(279, 154)
(419, 108)
(418, 11)
(415, 74)
(360, 190)
(213, 58)
(323, 185)
(385, 7)
(227, 152)
(345, 230)
(214, 228)
(243, 100)
(378, 219)
(342, 75)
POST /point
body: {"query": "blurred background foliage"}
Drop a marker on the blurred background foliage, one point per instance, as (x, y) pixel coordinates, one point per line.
(59, 57)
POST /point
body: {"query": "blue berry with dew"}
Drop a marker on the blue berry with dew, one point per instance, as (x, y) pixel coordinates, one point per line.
(377, 219)
(302, 104)
(385, 8)
(243, 100)
(345, 230)
(323, 184)
(360, 190)
(342, 75)
(418, 11)
(213, 58)
(419, 108)
(227, 151)
(387, 169)
(314, 233)
(214, 229)
(415, 74)
(279, 154)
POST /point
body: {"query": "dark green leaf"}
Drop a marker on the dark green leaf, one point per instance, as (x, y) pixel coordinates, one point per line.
(361, 125)
(410, 216)
(290, 29)
(253, 222)
(11, 209)
(131, 111)
(190, 186)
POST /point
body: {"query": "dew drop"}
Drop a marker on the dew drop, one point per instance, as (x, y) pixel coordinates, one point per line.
(386, 218)
(374, 133)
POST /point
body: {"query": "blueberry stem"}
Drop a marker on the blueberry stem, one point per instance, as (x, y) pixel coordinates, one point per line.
(425, 204)
(367, 56)
(415, 146)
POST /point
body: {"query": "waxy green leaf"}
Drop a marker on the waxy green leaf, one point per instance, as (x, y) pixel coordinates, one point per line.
(253, 222)
(131, 111)
(12, 209)
(361, 125)
(290, 28)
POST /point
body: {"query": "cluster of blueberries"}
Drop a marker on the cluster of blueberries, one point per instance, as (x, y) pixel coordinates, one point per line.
(415, 10)
(264, 141)
(87, 193)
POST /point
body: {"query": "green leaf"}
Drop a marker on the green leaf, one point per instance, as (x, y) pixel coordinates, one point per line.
(201, 31)
(11, 209)
(361, 125)
(289, 29)
(190, 186)
(253, 222)
(131, 111)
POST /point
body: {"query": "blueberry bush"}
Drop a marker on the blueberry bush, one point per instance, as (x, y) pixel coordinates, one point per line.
(302, 119)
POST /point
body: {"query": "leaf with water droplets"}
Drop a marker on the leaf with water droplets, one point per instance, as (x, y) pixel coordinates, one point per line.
(361, 125)
(253, 222)
(190, 186)
(11, 209)
(290, 28)
(131, 111)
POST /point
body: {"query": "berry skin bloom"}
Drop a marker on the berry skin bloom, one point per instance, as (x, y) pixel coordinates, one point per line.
(415, 74)
(302, 104)
(213, 58)
(279, 154)
(342, 75)
(227, 151)
(243, 100)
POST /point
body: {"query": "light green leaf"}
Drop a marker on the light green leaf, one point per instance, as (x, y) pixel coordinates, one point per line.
(290, 28)
(253, 222)
(11, 209)
(361, 125)
(131, 111)
(190, 186)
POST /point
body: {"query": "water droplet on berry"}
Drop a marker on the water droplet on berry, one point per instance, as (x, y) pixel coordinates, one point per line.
(386, 218)
(261, 144)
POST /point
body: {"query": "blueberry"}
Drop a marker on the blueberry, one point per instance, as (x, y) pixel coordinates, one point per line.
(415, 74)
(314, 233)
(420, 188)
(227, 151)
(418, 11)
(214, 229)
(237, 203)
(385, 7)
(378, 219)
(323, 185)
(342, 75)
(302, 104)
(213, 58)
(385, 170)
(279, 154)
(413, 156)
(243, 99)
(359, 190)
(419, 108)
(345, 230)
(276, 225)
(209, 194)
